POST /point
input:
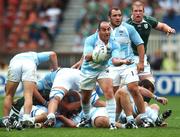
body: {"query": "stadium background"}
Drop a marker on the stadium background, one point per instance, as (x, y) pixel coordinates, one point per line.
(62, 25)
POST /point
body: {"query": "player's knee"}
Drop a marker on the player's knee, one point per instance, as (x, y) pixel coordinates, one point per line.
(155, 106)
(101, 122)
(108, 93)
(134, 90)
(121, 93)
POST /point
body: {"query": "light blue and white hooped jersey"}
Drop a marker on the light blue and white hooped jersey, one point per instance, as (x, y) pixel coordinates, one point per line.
(66, 77)
(37, 58)
(46, 82)
(124, 35)
(90, 43)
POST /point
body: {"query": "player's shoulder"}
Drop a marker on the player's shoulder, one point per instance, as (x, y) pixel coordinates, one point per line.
(149, 19)
(127, 25)
(129, 21)
(92, 37)
(130, 28)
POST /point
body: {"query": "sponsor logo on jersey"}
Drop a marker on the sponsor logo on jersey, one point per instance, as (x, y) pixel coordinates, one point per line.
(145, 26)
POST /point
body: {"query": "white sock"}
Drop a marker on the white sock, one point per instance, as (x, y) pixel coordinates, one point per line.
(143, 115)
(86, 110)
(151, 113)
(5, 120)
(33, 119)
(111, 109)
(51, 115)
(123, 125)
(26, 116)
(130, 118)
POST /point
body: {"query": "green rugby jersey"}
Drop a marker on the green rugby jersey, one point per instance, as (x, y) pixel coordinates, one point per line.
(144, 30)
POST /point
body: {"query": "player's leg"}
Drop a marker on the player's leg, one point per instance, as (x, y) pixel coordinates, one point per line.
(114, 75)
(138, 99)
(56, 95)
(107, 87)
(10, 90)
(131, 78)
(160, 118)
(101, 122)
(123, 102)
(99, 117)
(87, 85)
(13, 79)
(28, 94)
(29, 78)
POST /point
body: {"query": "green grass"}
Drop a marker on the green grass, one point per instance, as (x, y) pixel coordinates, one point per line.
(173, 129)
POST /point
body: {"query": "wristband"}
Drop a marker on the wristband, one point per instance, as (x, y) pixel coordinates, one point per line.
(45, 103)
(155, 97)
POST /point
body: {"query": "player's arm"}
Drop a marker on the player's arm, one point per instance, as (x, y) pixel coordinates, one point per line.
(78, 64)
(66, 121)
(39, 98)
(119, 61)
(165, 28)
(145, 92)
(54, 61)
(116, 59)
(48, 56)
(137, 40)
(141, 52)
(88, 49)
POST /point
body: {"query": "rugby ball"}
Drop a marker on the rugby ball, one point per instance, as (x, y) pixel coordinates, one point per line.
(99, 54)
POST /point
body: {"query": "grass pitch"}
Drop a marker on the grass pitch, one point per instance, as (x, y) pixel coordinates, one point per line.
(173, 129)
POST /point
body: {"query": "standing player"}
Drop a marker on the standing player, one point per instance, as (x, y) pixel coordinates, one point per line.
(23, 68)
(125, 34)
(143, 24)
(93, 72)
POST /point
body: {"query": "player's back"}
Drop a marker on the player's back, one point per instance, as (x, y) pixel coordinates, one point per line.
(35, 57)
(68, 78)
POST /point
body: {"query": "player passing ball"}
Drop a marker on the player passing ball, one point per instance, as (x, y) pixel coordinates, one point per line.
(95, 69)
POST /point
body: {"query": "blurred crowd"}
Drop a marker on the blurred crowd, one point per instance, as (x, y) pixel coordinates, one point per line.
(95, 10)
(167, 11)
(31, 24)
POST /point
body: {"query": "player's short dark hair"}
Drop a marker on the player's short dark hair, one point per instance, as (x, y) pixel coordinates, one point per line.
(99, 25)
(110, 11)
(148, 85)
(71, 96)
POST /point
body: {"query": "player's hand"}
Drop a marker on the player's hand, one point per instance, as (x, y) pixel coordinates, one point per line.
(76, 66)
(140, 67)
(171, 31)
(88, 57)
(127, 61)
(162, 100)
